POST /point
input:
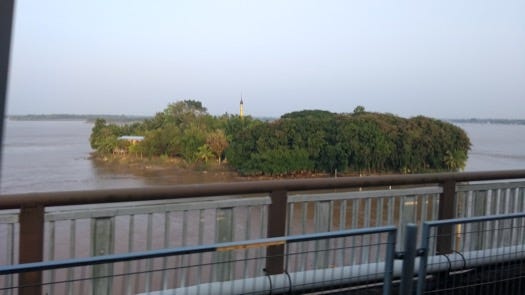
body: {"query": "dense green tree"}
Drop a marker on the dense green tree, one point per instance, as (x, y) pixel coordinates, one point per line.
(308, 140)
(362, 141)
(184, 113)
(279, 161)
(191, 139)
(104, 136)
(359, 110)
(204, 153)
(97, 133)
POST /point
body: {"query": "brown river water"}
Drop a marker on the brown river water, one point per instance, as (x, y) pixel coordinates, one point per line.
(40, 156)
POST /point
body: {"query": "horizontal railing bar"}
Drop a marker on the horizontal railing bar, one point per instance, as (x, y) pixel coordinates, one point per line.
(8, 218)
(339, 276)
(469, 259)
(364, 194)
(112, 258)
(309, 280)
(248, 187)
(141, 203)
(95, 211)
(473, 219)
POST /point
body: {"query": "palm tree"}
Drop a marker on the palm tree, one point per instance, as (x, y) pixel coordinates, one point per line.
(204, 153)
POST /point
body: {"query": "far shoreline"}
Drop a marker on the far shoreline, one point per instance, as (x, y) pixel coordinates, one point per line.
(136, 118)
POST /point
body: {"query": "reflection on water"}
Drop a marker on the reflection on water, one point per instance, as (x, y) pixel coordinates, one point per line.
(41, 156)
(151, 175)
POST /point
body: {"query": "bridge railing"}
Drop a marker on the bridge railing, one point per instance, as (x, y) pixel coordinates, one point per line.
(497, 267)
(61, 225)
(242, 254)
(321, 212)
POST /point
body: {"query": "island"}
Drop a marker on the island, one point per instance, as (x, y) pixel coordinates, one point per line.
(297, 143)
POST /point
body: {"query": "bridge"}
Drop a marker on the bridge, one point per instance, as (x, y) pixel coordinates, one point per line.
(439, 232)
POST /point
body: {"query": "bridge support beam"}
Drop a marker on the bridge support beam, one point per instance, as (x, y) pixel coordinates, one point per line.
(276, 228)
(447, 206)
(102, 231)
(31, 248)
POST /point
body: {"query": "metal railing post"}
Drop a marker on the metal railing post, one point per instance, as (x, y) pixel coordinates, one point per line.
(276, 228)
(322, 224)
(223, 266)
(423, 260)
(389, 263)
(31, 248)
(447, 210)
(409, 257)
(102, 233)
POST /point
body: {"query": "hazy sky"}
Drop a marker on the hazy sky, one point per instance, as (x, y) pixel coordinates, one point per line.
(446, 58)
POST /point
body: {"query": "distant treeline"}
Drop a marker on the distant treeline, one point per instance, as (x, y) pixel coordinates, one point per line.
(489, 121)
(74, 117)
(299, 142)
(133, 118)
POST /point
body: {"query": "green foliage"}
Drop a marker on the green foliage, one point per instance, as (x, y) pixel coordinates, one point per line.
(104, 137)
(367, 142)
(178, 131)
(191, 139)
(309, 114)
(97, 132)
(455, 160)
(162, 141)
(298, 142)
(204, 153)
(359, 110)
(185, 113)
(279, 161)
(217, 143)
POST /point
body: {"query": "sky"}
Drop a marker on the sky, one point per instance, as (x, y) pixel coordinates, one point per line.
(444, 59)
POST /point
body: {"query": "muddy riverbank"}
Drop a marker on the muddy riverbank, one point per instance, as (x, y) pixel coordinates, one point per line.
(163, 171)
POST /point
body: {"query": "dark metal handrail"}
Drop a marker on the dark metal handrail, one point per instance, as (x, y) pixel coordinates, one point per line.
(17, 201)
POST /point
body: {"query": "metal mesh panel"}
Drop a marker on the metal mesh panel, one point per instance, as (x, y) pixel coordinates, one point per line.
(488, 257)
(234, 267)
(355, 262)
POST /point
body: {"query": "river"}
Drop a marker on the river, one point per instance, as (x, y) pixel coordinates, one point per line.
(40, 156)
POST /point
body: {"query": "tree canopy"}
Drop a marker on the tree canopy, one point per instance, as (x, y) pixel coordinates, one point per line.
(297, 142)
